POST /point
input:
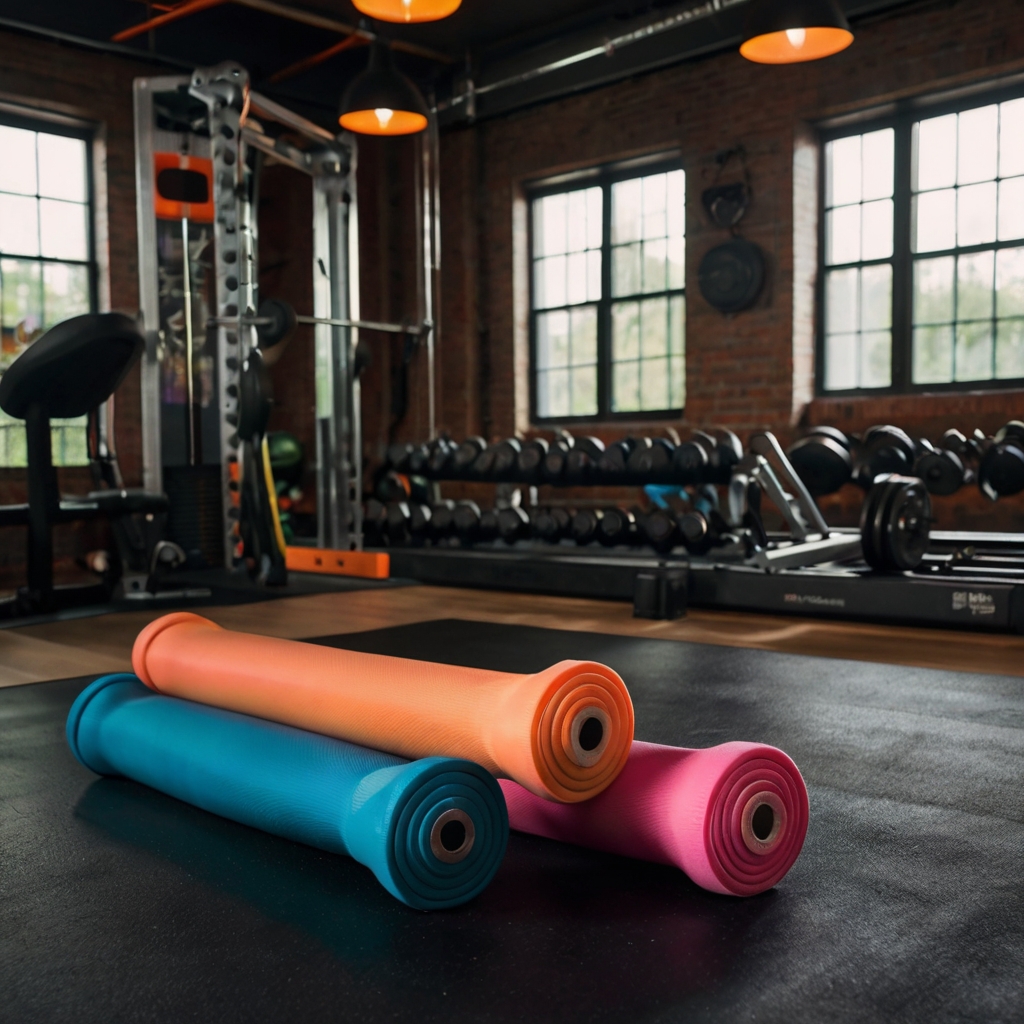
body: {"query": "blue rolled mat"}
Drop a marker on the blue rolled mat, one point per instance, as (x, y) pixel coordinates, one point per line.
(433, 831)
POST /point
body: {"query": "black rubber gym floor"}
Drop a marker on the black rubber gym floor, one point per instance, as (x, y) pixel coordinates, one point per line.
(907, 904)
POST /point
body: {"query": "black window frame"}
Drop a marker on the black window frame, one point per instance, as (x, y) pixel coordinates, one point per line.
(604, 176)
(901, 118)
(15, 116)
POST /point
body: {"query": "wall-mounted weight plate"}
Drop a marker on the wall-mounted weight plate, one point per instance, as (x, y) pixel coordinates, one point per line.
(730, 276)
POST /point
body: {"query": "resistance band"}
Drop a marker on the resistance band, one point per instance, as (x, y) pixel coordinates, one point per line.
(563, 733)
(733, 817)
(432, 831)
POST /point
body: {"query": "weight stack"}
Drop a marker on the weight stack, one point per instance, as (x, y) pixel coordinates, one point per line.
(195, 518)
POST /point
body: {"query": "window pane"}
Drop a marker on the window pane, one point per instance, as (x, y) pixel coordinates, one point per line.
(878, 164)
(653, 329)
(844, 171)
(65, 292)
(18, 166)
(655, 256)
(19, 225)
(844, 235)
(976, 214)
(977, 144)
(577, 221)
(935, 153)
(553, 339)
(654, 384)
(841, 301)
(626, 269)
(576, 266)
(676, 262)
(626, 387)
(1010, 282)
(973, 351)
(655, 199)
(1011, 138)
(933, 290)
(549, 282)
(677, 327)
(974, 286)
(594, 275)
(595, 218)
(876, 298)
(553, 393)
(550, 225)
(933, 355)
(676, 191)
(840, 362)
(62, 230)
(626, 211)
(876, 359)
(583, 385)
(1011, 209)
(876, 240)
(677, 383)
(583, 331)
(21, 310)
(935, 221)
(625, 331)
(1010, 349)
(62, 168)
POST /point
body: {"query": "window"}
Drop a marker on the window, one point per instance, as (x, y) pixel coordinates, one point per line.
(923, 252)
(608, 302)
(47, 271)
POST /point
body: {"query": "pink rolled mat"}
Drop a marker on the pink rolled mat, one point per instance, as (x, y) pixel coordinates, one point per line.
(733, 817)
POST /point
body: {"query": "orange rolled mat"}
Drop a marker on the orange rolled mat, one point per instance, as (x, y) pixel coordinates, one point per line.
(563, 733)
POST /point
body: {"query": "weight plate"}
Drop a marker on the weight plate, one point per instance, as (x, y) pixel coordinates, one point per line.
(822, 463)
(730, 276)
(834, 433)
(1001, 472)
(867, 520)
(941, 471)
(907, 523)
(879, 536)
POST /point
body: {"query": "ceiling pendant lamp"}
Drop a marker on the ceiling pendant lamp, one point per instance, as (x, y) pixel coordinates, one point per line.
(793, 31)
(407, 10)
(381, 100)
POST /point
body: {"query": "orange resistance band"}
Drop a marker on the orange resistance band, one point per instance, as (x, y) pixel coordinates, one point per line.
(564, 733)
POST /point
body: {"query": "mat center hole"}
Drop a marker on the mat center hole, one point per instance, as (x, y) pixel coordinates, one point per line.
(762, 822)
(591, 734)
(453, 835)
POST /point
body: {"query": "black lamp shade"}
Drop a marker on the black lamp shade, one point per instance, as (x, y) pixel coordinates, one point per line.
(793, 31)
(382, 101)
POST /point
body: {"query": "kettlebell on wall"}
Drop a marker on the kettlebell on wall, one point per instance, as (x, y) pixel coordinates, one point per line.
(730, 275)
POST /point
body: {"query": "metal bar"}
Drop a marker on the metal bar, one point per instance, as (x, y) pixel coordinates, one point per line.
(179, 12)
(766, 444)
(190, 382)
(813, 552)
(427, 251)
(282, 115)
(279, 150)
(326, 321)
(317, 59)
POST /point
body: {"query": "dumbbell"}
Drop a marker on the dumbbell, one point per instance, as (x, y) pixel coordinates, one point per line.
(728, 449)
(551, 524)
(582, 459)
(442, 519)
(466, 455)
(651, 459)
(690, 460)
(823, 460)
(553, 466)
(943, 469)
(530, 459)
(442, 451)
(466, 521)
(375, 522)
(617, 526)
(488, 528)
(505, 455)
(895, 522)
(1001, 469)
(398, 456)
(611, 464)
(660, 529)
(697, 531)
(513, 524)
(392, 487)
(420, 525)
(584, 526)
(884, 449)
(399, 516)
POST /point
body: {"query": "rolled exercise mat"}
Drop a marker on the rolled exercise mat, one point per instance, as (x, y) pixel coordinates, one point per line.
(432, 831)
(563, 733)
(733, 817)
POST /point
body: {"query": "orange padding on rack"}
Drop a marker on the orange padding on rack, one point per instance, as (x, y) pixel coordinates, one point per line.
(372, 565)
(536, 729)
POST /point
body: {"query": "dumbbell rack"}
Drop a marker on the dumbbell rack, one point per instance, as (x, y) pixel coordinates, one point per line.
(967, 580)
